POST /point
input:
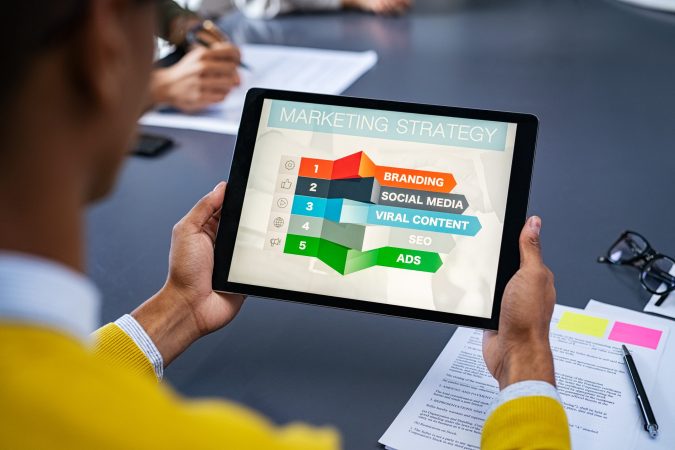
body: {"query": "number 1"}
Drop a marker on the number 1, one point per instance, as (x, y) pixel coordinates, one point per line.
(316, 168)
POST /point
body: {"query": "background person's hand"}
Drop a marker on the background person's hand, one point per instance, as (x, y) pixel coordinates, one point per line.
(520, 350)
(187, 308)
(209, 33)
(379, 6)
(202, 77)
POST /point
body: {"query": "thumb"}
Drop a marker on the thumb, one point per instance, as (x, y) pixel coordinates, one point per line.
(206, 207)
(529, 243)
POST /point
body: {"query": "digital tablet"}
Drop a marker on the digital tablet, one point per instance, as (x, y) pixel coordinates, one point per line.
(378, 206)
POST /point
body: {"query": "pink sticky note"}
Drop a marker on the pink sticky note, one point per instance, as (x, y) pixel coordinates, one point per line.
(635, 334)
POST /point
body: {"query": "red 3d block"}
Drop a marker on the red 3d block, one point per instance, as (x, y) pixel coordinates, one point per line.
(353, 166)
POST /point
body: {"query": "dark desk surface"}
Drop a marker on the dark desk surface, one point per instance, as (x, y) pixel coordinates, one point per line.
(597, 73)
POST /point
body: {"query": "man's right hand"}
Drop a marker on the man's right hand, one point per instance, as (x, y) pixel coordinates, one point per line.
(202, 77)
(520, 350)
(379, 6)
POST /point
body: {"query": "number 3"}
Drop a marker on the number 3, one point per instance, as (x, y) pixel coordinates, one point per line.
(310, 206)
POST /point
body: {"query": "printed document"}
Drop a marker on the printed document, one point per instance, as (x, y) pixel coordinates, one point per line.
(449, 408)
(273, 67)
(662, 394)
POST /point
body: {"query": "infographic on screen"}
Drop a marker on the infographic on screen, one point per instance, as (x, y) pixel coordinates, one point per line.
(378, 206)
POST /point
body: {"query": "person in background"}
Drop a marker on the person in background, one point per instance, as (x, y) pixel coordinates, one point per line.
(74, 84)
(206, 72)
(267, 9)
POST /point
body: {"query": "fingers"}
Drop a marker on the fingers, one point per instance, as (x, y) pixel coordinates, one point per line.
(217, 84)
(217, 68)
(220, 58)
(208, 37)
(203, 211)
(211, 227)
(212, 29)
(529, 243)
(390, 6)
(223, 51)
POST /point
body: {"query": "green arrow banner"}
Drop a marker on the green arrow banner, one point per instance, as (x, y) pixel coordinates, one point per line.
(346, 260)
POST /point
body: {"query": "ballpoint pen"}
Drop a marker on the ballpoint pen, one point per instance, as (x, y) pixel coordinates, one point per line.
(645, 408)
(209, 27)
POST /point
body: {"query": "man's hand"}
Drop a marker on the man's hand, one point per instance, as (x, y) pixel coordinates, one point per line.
(520, 350)
(202, 77)
(187, 308)
(379, 6)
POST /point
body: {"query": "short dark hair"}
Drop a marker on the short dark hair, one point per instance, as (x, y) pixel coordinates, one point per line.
(31, 27)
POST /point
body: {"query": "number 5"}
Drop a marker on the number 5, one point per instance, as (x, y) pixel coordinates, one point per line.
(303, 245)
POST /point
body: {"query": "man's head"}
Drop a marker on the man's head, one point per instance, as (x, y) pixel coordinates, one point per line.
(74, 81)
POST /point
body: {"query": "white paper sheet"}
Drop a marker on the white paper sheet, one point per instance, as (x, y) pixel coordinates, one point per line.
(273, 67)
(449, 407)
(662, 394)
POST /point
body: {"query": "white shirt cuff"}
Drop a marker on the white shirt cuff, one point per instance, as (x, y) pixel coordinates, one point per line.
(529, 388)
(136, 332)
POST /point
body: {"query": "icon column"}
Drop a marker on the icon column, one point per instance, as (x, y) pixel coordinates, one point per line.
(282, 202)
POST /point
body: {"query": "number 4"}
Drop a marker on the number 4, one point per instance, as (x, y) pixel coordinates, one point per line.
(305, 226)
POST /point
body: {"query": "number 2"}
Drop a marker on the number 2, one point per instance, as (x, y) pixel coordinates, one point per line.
(312, 187)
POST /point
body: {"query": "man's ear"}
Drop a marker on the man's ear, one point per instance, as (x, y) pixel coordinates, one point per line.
(100, 54)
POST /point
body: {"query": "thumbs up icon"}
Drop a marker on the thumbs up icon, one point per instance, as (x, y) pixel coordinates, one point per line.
(286, 184)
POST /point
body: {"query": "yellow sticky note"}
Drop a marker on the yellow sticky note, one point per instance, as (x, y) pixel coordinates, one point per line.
(583, 324)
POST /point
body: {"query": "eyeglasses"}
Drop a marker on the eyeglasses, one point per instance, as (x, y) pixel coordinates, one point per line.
(657, 271)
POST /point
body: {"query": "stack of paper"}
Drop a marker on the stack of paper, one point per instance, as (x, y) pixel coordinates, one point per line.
(662, 394)
(273, 67)
(448, 409)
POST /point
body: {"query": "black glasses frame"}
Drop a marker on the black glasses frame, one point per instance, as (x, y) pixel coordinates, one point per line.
(644, 261)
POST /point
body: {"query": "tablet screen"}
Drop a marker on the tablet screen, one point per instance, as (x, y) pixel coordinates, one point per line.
(375, 205)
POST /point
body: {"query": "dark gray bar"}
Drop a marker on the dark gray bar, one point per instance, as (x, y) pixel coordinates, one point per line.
(364, 190)
(425, 200)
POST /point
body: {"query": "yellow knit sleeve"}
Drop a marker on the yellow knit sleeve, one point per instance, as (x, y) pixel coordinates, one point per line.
(116, 347)
(527, 423)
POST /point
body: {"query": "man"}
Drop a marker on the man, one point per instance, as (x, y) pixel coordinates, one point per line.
(74, 84)
(204, 75)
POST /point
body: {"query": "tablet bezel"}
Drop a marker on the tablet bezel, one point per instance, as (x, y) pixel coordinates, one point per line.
(516, 205)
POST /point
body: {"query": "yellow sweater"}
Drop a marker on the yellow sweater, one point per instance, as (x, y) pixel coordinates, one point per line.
(57, 394)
